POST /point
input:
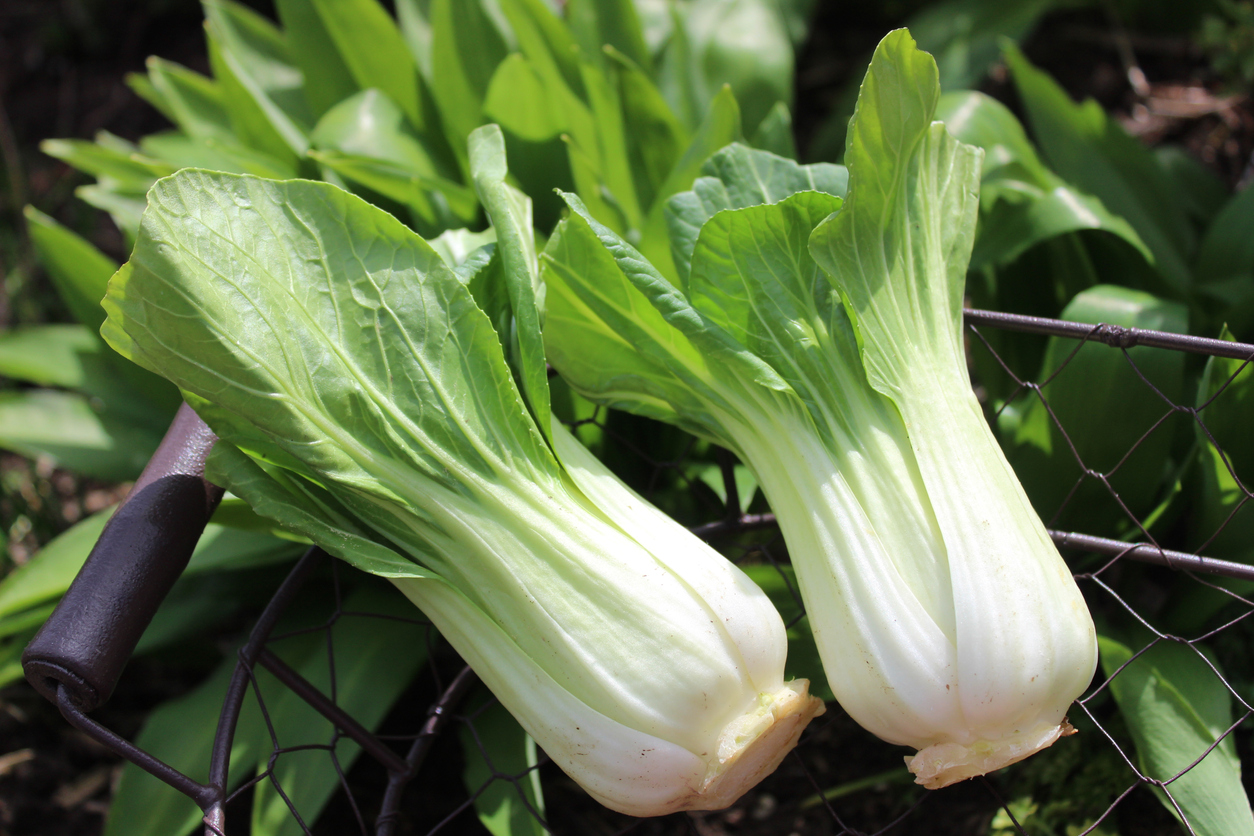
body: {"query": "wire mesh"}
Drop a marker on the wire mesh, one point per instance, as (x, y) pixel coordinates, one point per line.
(434, 765)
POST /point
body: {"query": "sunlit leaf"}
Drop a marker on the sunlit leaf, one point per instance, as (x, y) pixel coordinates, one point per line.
(1177, 707)
(1104, 407)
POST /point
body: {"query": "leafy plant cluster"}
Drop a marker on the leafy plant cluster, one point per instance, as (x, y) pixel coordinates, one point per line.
(623, 104)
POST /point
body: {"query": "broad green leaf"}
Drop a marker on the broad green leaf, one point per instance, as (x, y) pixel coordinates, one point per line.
(79, 271)
(414, 19)
(233, 512)
(774, 133)
(124, 169)
(372, 48)
(675, 67)
(1176, 707)
(1021, 218)
(910, 213)
(493, 744)
(11, 650)
(369, 124)
(1225, 400)
(195, 605)
(552, 80)
(143, 87)
(312, 48)
(1104, 407)
(655, 138)
(587, 299)
(1200, 190)
(721, 127)
(518, 99)
(365, 382)
(51, 355)
(375, 656)
(1091, 151)
(474, 267)
(1022, 202)
(456, 246)
(125, 209)
(223, 548)
(751, 177)
(194, 101)
(188, 152)
(258, 55)
(436, 204)
(1222, 524)
(306, 511)
(106, 444)
(979, 119)
(509, 210)
(1227, 249)
(608, 23)
(546, 42)
(737, 177)
(48, 573)
(624, 336)
(612, 143)
(466, 49)
(24, 622)
(589, 121)
(247, 71)
(485, 277)
(590, 186)
(753, 276)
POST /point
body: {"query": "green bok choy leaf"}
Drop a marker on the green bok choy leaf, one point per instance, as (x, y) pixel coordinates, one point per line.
(821, 341)
(364, 400)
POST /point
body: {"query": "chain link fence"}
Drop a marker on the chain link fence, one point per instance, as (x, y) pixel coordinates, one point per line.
(435, 762)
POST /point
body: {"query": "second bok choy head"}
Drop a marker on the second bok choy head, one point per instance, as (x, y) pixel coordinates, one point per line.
(821, 340)
(365, 401)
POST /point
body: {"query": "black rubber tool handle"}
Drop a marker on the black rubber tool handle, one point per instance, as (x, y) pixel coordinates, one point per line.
(143, 549)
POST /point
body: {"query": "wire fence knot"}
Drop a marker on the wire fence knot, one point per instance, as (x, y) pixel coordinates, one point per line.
(1116, 335)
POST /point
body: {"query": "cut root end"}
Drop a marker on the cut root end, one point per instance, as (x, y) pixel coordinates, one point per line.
(744, 761)
(943, 764)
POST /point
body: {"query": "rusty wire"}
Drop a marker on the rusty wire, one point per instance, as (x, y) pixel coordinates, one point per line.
(819, 789)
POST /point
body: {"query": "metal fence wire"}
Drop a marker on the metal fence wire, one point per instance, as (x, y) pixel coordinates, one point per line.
(431, 765)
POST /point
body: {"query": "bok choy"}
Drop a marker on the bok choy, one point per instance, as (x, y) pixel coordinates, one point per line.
(365, 401)
(821, 341)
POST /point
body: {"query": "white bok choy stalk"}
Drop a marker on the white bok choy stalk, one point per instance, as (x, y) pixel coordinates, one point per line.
(364, 400)
(821, 341)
